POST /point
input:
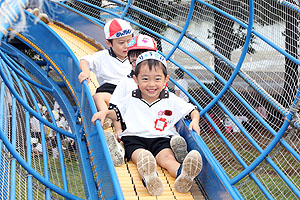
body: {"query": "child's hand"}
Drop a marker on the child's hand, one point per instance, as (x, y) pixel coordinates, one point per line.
(84, 76)
(194, 125)
(117, 136)
(99, 115)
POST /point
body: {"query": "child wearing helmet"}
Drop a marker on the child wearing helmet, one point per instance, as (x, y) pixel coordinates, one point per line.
(138, 45)
(109, 65)
(150, 113)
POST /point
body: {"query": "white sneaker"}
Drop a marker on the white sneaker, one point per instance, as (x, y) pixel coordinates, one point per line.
(191, 167)
(179, 147)
(44, 17)
(146, 166)
(107, 123)
(36, 12)
(117, 151)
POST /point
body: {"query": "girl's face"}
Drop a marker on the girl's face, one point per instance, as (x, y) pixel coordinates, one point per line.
(119, 45)
(151, 83)
(132, 60)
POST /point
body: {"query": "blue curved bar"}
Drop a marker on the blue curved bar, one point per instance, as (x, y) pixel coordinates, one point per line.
(187, 22)
(23, 163)
(94, 134)
(126, 9)
(239, 65)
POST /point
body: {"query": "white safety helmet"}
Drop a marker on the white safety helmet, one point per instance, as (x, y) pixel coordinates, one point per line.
(117, 28)
(152, 55)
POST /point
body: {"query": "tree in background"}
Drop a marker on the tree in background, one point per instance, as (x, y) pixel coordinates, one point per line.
(162, 9)
(291, 46)
(226, 38)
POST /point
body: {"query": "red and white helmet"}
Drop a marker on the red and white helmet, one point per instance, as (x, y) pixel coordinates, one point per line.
(142, 42)
(117, 28)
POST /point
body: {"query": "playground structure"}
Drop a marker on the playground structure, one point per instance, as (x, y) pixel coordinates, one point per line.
(240, 59)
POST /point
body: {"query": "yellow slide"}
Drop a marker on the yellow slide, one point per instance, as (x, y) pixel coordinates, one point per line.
(128, 176)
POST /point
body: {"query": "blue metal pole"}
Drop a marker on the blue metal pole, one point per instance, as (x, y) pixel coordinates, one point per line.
(13, 161)
(13, 141)
(28, 141)
(63, 169)
(182, 33)
(126, 9)
(59, 145)
(39, 117)
(240, 62)
(43, 140)
(266, 152)
(32, 171)
(2, 160)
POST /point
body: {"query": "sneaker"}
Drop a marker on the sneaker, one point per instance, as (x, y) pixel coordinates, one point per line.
(191, 167)
(107, 123)
(36, 12)
(44, 17)
(116, 150)
(179, 147)
(146, 166)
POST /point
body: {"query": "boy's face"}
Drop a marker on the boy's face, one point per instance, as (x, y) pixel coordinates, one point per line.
(151, 83)
(119, 45)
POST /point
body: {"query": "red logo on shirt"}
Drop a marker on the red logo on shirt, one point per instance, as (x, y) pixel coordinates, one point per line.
(160, 124)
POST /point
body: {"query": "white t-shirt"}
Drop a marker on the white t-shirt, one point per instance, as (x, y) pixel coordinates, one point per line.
(35, 124)
(56, 106)
(107, 67)
(125, 86)
(62, 123)
(155, 120)
(185, 86)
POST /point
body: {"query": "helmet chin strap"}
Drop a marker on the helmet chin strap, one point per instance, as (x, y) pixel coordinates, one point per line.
(166, 85)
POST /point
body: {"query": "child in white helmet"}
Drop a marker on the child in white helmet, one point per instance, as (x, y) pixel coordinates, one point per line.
(109, 65)
(138, 45)
(150, 113)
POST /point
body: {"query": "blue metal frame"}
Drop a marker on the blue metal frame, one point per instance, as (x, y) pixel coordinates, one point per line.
(3, 170)
(71, 17)
(64, 69)
(95, 135)
(40, 74)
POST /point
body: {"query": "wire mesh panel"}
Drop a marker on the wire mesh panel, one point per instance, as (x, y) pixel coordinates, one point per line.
(236, 60)
(42, 154)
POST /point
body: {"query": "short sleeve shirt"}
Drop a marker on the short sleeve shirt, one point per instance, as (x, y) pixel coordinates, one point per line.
(152, 120)
(35, 125)
(184, 84)
(125, 87)
(107, 66)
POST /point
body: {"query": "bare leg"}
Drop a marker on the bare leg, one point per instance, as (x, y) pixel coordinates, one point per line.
(166, 159)
(135, 155)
